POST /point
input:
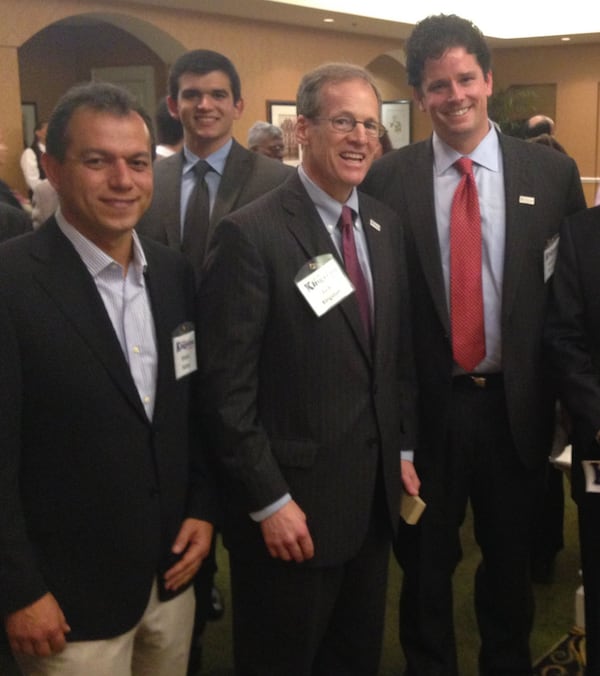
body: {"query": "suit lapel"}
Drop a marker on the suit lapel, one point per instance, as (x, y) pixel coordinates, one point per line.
(65, 278)
(308, 229)
(168, 176)
(418, 178)
(158, 292)
(518, 182)
(238, 167)
(378, 244)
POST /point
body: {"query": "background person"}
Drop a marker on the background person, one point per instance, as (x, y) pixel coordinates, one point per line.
(266, 139)
(31, 158)
(169, 132)
(205, 96)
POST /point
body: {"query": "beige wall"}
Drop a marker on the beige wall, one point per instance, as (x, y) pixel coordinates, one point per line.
(575, 70)
(270, 58)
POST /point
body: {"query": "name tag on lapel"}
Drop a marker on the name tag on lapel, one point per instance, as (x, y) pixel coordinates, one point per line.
(323, 283)
(184, 350)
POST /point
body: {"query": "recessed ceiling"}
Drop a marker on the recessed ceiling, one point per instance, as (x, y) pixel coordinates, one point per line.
(506, 24)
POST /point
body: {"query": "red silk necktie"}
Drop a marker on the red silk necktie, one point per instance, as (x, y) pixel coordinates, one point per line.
(353, 269)
(466, 292)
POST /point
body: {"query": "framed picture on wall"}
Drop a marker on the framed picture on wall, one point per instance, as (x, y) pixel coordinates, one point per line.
(283, 115)
(395, 117)
(29, 113)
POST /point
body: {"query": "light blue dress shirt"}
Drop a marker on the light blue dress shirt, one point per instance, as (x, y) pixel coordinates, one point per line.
(217, 162)
(330, 210)
(127, 303)
(488, 170)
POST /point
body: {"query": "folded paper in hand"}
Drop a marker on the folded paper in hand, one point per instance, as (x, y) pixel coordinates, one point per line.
(411, 508)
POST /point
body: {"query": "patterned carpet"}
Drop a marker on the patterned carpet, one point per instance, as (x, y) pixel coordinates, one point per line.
(567, 657)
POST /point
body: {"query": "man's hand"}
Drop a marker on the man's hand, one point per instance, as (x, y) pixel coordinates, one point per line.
(410, 480)
(194, 539)
(286, 534)
(38, 629)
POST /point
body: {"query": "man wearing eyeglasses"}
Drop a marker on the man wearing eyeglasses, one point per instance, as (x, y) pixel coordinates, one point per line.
(306, 355)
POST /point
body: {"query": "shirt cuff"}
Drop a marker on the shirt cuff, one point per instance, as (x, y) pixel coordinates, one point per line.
(269, 510)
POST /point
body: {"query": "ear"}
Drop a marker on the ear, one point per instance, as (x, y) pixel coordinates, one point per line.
(418, 98)
(172, 106)
(239, 108)
(52, 170)
(301, 130)
(489, 80)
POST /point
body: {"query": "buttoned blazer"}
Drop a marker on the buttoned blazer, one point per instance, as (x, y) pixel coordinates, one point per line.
(572, 334)
(298, 403)
(541, 187)
(92, 492)
(246, 176)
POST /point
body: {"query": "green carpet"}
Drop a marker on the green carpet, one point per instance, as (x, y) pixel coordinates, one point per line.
(551, 637)
(554, 618)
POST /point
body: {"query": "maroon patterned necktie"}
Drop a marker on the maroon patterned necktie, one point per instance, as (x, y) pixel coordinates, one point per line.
(353, 269)
(466, 290)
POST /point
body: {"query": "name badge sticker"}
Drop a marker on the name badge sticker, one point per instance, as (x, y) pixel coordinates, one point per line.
(184, 350)
(323, 283)
(591, 469)
(550, 253)
(527, 199)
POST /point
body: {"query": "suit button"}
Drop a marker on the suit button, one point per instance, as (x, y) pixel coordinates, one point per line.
(153, 492)
(372, 443)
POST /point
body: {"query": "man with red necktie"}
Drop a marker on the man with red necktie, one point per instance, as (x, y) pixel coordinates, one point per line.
(479, 265)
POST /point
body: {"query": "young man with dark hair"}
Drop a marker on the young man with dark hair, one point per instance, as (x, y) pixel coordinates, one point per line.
(486, 408)
(205, 95)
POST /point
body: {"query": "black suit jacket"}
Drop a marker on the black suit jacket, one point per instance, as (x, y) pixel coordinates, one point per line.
(92, 492)
(246, 176)
(573, 333)
(8, 197)
(296, 403)
(13, 222)
(403, 179)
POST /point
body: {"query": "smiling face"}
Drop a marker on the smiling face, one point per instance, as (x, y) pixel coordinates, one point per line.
(104, 182)
(454, 91)
(336, 161)
(206, 109)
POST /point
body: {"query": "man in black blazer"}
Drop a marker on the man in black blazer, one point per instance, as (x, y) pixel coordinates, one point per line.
(486, 431)
(106, 511)
(205, 95)
(573, 338)
(307, 405)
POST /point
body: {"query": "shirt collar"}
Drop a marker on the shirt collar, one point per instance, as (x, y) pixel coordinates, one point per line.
(326, 205)
(486, 154)
(216, 160)
(96, 260)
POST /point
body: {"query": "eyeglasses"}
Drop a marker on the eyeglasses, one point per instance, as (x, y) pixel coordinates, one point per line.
(344, 125)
